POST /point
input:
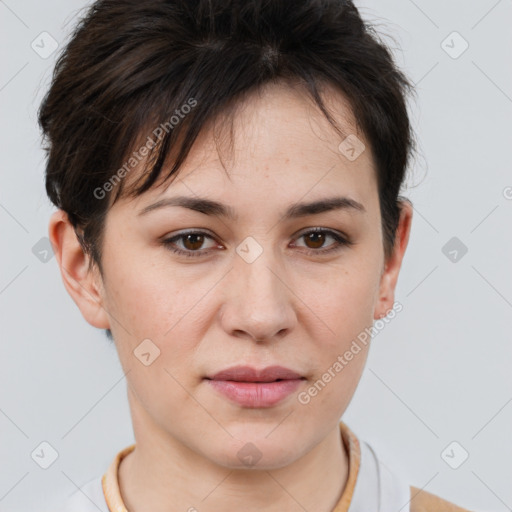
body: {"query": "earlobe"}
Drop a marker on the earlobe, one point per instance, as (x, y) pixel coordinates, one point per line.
(392, 266)
(82, 284)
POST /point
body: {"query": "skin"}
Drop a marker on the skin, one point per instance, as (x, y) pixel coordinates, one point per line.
(214, 311)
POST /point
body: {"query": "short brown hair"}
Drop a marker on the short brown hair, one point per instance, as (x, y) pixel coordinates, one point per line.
(132, 64)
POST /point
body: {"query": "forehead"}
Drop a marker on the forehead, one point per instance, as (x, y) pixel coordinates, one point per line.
(276, 140)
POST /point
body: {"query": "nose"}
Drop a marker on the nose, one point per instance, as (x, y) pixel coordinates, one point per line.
(259, 303)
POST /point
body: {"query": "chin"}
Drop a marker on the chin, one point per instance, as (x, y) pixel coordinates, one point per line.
(257, 452)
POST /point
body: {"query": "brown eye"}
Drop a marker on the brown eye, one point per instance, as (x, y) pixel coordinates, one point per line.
(193, 241)
(190, 243)
(316, 239)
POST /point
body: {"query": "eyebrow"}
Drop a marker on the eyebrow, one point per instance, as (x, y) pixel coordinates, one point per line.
(214, 208)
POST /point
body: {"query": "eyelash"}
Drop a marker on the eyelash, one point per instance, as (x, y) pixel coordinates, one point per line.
(340, 242)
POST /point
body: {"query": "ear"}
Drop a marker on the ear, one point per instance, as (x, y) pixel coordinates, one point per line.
(84, 286)
(392, 266)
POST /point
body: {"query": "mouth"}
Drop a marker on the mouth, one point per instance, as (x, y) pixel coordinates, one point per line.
(254, 388)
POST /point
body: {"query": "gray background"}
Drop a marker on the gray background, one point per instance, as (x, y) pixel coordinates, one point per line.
(439, 372)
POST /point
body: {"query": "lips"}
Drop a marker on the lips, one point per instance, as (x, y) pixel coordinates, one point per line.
(249, 374)
(252, 388)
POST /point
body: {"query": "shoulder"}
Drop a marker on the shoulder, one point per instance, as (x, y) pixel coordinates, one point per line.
(423, 501)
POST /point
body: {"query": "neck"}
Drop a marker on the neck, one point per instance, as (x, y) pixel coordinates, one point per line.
(163, 475)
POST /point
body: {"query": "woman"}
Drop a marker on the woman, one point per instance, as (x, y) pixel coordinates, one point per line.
(227, 176)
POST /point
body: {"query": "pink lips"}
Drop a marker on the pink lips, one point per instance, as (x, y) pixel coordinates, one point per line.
(256, 388)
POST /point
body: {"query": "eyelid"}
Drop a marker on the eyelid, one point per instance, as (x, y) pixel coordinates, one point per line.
(341, 241)
(168, 240)
(320, 229)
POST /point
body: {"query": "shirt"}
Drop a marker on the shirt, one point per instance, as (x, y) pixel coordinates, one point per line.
(371, 486)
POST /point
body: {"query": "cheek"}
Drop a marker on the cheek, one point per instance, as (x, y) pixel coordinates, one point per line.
(148, 300)
(345, 309)
(162, 393)
(329, 393)
(170, 312)
(344, 303)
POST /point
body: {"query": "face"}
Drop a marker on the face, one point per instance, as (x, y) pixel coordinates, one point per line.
(257, 286)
